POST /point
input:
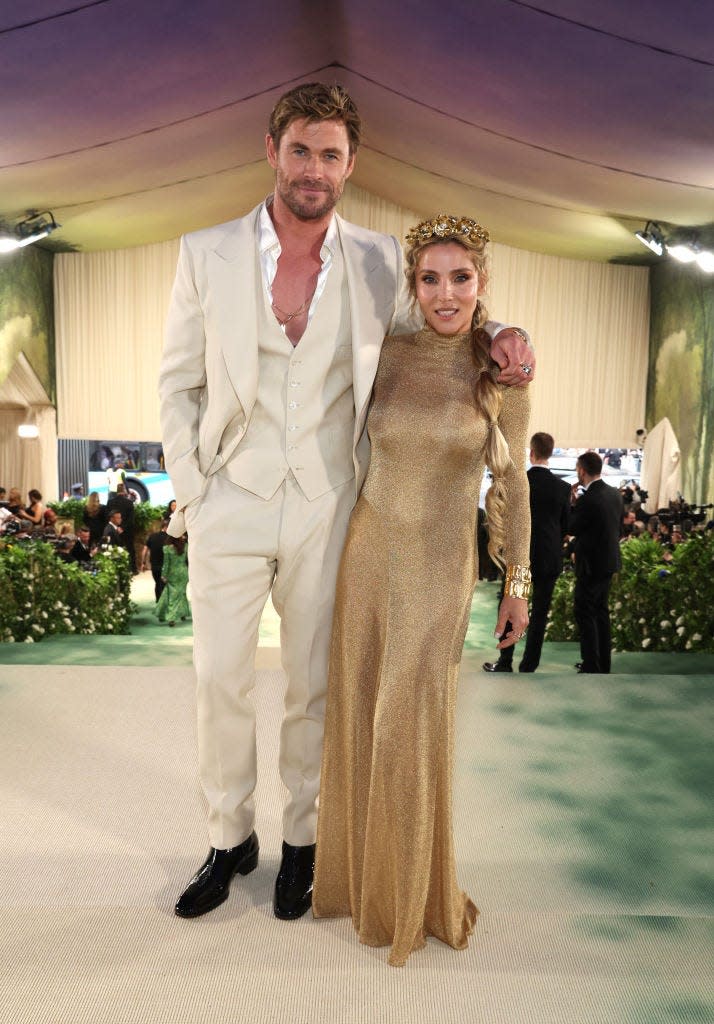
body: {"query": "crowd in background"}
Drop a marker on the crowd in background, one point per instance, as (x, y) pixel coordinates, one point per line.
(669, 526)
(103, 527)
(112, 525)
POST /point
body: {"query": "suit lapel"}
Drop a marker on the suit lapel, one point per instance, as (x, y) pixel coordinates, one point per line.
(232, 274)
(231, 269)
(371, 309)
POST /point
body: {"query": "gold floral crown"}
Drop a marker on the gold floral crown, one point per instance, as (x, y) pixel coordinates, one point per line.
(446, 226)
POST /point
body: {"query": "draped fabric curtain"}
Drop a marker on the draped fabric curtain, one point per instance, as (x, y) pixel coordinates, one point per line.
(109, 323)
(29, 462)
(589, 323)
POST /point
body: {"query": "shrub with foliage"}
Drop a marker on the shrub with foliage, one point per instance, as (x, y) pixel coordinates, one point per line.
(654, 605)
(147, 517)
(70, 508)
(44, 596)
(145, 514)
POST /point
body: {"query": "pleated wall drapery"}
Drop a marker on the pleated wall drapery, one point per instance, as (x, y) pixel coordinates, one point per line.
(110, 309)
(589, 323)
(29, 462)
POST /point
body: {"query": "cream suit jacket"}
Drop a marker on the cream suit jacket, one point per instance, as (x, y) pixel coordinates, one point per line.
(209, 371)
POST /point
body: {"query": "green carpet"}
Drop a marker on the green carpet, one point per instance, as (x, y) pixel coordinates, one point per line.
(582, 827)
(154, 643)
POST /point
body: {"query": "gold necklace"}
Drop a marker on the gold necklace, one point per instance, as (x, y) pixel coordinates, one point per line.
(288, 316)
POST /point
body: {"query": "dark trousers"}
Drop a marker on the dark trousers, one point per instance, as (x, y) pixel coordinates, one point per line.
(131, 548)
(158, 582)
(593, 618)
(541, 596)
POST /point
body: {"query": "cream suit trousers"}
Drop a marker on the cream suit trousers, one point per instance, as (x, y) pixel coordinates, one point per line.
(240, 547)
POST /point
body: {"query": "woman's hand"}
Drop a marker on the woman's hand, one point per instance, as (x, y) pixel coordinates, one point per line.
(515, 611)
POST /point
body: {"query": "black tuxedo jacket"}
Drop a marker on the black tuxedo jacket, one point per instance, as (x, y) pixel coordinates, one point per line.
(595, 520)
(78, 553)
(550, 504)
(113, 536)
(122, 503)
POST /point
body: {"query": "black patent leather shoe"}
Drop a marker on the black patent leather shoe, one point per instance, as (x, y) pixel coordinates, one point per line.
(579, 666)
(211, 884)
(293, 886)
(496, 666)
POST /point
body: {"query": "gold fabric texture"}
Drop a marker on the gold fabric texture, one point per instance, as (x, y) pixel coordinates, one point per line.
(385, 848)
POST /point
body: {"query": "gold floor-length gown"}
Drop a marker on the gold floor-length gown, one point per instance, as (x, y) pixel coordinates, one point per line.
(384, 845)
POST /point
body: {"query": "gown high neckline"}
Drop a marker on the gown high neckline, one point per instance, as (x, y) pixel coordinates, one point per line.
(432, 337)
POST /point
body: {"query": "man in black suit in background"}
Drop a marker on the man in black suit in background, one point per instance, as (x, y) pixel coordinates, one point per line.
(550, 504)
(121, 502)
(595, 522)
(81, 550)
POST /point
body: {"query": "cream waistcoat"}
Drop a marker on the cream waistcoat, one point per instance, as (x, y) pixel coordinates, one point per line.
(303, 418)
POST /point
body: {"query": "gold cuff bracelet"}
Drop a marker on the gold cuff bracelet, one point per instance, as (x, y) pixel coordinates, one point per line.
(518, 582)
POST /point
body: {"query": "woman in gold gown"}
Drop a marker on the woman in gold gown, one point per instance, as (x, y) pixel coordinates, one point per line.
(384, 846)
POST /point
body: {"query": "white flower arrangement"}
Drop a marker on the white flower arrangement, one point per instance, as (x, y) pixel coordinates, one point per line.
(48, 597)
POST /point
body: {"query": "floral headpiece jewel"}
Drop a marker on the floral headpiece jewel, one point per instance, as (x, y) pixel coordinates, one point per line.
(446, 226)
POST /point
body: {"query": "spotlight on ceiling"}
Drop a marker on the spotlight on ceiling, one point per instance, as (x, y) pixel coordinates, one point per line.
(688, 250)
(34, 227)
(652, 237)
(705, 259)
(681, 244)
(685, 252)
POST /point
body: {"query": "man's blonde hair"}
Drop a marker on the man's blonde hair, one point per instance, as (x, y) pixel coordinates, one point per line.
(316, 102)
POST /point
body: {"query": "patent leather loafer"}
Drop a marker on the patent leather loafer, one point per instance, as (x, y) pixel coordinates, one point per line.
(211, 884)
(293, 886)
(496, 666)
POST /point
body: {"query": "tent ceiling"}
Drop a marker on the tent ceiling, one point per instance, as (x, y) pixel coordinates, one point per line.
(561, 124)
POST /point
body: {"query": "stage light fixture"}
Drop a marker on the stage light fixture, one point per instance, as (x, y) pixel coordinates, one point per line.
(705, 259)
(681, 244)
(690, 251)
(652, 237)
(34, 227)
(684, 252)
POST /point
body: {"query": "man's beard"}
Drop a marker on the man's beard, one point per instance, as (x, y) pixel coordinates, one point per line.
(308, 210)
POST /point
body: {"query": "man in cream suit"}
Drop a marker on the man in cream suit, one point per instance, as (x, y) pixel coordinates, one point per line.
(273, 338)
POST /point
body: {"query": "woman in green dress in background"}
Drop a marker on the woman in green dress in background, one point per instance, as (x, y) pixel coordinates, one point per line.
(173, 603)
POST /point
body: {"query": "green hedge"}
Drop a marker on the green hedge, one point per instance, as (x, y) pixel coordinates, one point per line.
(145, 514)
(44, 596)
(654, 605)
